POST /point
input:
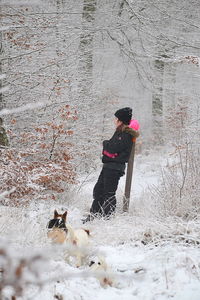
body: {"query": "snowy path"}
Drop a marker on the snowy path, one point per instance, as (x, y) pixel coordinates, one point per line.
(168, 270)
(150, 259)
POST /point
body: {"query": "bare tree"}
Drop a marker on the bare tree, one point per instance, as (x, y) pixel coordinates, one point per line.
(73, 52)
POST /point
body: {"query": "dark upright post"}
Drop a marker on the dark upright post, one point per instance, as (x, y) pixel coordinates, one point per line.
(129, 173)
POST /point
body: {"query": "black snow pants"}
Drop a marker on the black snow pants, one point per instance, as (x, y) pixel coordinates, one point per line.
(104, 202)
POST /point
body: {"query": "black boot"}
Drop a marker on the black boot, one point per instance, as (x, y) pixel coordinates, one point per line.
(89, 218)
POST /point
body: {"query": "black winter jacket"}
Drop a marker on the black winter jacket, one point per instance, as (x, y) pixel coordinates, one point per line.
(118, 148)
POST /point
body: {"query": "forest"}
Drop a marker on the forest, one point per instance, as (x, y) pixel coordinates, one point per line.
(66, 66)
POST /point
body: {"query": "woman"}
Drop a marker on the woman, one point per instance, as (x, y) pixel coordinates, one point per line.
(116, 152)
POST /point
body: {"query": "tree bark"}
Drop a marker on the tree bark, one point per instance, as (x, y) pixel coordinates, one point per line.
(85, 67)
(157, 102)
(1, 69)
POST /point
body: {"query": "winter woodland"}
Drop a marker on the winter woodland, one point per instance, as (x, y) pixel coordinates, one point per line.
(65, 67)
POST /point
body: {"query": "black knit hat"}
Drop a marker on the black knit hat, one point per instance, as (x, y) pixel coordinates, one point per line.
(124, 115)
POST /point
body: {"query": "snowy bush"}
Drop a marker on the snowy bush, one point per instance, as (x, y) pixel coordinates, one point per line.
(18, 273)
(179, 188)
(41, 164)
(178, 193)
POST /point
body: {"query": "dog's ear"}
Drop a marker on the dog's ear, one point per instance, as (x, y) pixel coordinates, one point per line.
(64, 215)
(56, 214)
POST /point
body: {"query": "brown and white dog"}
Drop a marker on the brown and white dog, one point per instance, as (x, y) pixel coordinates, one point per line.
(75, 240)
(57, 228)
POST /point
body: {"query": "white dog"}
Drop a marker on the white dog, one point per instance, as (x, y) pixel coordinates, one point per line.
(102, 272)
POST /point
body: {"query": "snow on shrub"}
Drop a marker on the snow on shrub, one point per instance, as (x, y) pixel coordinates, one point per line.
(179, 190)
(41, 165)
(18, 273)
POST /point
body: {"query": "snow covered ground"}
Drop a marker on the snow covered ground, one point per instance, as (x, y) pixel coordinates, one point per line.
(150, 259)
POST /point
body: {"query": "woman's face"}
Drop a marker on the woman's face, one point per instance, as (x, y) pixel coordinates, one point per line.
(117, 122)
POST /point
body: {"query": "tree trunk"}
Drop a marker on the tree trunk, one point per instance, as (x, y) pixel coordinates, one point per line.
(86, 101)
(85, 67)
(157, 102)
(1, 70)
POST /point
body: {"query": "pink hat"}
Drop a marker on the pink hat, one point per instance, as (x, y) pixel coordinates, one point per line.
(134, 124)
